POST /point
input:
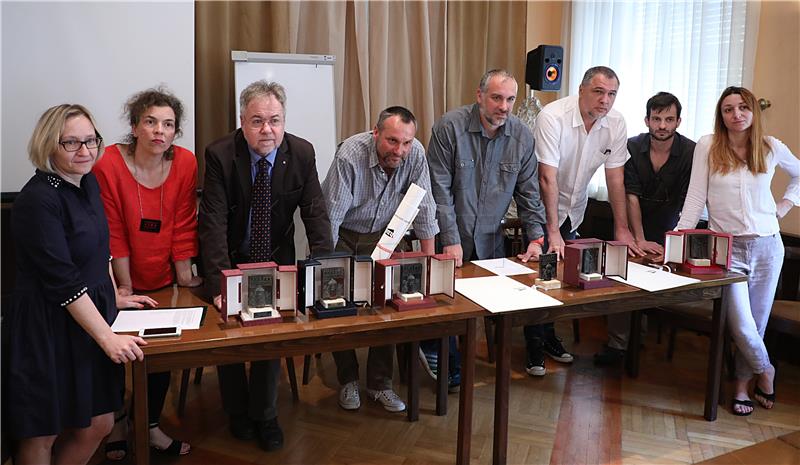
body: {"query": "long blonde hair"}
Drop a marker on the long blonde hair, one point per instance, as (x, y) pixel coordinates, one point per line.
(721, 158)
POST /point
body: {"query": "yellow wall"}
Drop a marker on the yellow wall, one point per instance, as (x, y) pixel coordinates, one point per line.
(777, 78)
(544, 28)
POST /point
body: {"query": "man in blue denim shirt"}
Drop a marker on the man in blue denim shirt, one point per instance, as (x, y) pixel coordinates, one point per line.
(480, 156)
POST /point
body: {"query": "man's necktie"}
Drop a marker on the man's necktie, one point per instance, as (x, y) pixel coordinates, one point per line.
(260, 217)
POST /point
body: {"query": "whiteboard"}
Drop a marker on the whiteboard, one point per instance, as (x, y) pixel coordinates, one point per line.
(94, 53)
(310, 105)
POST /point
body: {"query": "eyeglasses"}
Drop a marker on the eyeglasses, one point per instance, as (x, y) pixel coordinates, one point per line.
(75, 145)
(258, 123)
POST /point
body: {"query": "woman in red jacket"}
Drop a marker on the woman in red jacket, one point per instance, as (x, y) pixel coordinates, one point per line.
(148, 189)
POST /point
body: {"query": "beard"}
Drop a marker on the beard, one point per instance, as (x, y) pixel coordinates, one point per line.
(495, 119)
(670, 135)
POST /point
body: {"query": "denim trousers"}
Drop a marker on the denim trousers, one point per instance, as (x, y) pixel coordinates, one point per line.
(749, 303)
(536, 334)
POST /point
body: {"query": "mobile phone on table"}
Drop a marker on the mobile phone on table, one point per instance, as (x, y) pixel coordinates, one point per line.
(168, 331)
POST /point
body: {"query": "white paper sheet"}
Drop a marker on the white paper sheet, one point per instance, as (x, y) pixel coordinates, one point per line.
(135, 320)
(400, 222)
(652, 279)
(503, 267)
(503, 294)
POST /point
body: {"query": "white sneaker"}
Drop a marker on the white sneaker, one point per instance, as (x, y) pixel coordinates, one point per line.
(388, 399)
(349, 399)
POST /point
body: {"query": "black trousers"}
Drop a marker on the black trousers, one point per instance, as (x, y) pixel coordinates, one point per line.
(157, 387)
(255, 396)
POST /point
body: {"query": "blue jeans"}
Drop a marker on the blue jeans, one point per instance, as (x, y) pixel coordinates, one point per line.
(454, 359)
(535, 334)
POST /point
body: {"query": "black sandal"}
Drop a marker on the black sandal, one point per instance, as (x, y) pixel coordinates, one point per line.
(117, 446)
(745, 403)
(757, 392)
(173, 450)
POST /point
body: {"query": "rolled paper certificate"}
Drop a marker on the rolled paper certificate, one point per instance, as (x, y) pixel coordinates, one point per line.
(400, 222)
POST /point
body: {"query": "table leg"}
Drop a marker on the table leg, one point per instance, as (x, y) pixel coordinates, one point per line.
(634, 344)
(413, 381)
(140, 421)
(466, 396)
(714, 375)
(502, 380)
(442, 377)
(182, 395)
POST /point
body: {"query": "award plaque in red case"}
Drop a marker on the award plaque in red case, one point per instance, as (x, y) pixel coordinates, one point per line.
(589, 262)
(406, 281)
(259, 294)
(698, 251)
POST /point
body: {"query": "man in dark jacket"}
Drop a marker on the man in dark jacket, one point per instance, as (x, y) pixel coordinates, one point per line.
(255, 179)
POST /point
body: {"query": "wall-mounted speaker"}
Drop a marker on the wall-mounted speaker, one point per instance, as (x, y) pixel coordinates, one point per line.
(544, 67)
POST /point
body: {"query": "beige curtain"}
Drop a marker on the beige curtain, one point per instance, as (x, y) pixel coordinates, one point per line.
(399, 51)
(427, 56)
(482, 36)
(278, 27)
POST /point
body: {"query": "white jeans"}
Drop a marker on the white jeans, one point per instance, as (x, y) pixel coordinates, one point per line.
(749, 303)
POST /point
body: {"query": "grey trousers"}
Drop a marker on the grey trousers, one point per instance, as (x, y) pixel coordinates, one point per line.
(749, 303)
(619, 329)
(380, 365)
(380, 361)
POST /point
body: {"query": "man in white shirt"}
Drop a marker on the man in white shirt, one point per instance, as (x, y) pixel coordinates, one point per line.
(574, 136)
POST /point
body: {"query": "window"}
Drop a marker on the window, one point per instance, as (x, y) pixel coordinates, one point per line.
(693, 49)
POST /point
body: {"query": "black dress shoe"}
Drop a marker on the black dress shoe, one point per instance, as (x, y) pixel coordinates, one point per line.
(609, 357)
(242, 427)
(270, 436)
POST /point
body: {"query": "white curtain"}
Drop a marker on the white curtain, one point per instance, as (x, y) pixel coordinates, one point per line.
(693, 49)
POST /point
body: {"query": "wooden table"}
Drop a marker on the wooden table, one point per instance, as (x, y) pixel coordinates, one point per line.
(616, 299)
(222, 343)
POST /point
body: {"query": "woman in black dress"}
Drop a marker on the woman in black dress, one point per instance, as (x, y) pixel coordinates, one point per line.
(63, 373)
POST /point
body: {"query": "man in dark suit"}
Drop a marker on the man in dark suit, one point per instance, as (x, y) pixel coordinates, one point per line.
(246, 215)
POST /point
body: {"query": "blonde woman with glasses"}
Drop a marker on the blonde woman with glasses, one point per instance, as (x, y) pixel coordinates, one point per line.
(62, 364)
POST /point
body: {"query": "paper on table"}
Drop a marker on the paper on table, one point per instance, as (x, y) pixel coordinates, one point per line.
(652, 279)
(135, 320)
(503, 294)
(503, 267)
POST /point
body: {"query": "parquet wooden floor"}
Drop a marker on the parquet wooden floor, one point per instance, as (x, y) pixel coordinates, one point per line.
(577, 414)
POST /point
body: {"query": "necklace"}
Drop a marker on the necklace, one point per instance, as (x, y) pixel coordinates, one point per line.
(148, 224)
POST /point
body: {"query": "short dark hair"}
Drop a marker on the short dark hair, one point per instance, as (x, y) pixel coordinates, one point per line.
(403, 113)
(604, 70)
(483, 85)
(662, 101)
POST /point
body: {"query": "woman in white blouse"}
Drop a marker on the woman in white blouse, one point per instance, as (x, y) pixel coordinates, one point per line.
(731, 174)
